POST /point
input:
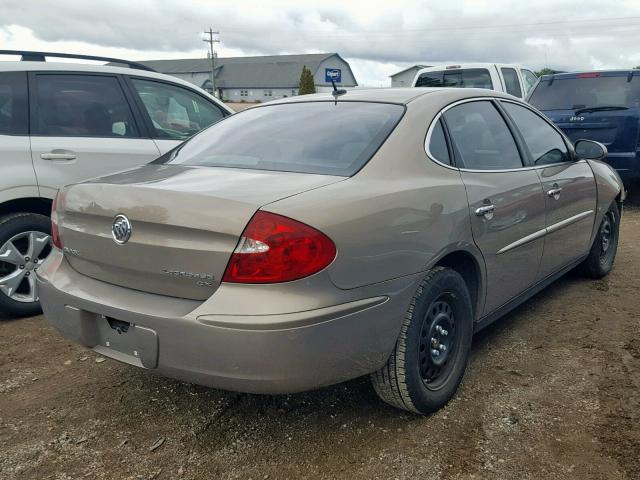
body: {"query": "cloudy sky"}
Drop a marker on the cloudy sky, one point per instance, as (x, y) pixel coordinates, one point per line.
(377, 37)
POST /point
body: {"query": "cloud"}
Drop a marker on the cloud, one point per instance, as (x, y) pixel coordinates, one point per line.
(377, 38)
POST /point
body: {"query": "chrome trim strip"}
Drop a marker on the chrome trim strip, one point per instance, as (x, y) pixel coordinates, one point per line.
(568, 221)
(524, 240)
(545, 231)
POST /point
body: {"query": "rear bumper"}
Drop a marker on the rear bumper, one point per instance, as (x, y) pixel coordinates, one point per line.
(256, 354)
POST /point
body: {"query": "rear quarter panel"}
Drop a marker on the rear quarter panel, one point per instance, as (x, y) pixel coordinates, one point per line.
(397, 216)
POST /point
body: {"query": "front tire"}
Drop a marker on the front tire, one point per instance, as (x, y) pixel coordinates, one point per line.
(24, 245)
(431, 354)
(605, 245)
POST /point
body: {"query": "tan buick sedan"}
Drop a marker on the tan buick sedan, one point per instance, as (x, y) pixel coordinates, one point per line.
(316, 239)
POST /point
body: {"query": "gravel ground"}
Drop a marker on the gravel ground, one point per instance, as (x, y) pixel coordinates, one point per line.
(552, 392)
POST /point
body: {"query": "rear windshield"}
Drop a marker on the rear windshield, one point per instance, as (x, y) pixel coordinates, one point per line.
(586, 92)
(465, 78)
(307, 137)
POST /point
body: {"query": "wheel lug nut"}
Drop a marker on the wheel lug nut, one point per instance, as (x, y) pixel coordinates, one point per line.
(26, 259)
(443, 348)
(434, 342)
(27, 274)
(35, 260)
(21, 267)
(444, 332)
(435, 352)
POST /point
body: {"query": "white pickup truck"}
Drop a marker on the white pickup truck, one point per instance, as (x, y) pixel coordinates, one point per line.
(511, 79)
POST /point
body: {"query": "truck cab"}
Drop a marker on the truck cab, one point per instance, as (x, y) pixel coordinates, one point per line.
(512, 79)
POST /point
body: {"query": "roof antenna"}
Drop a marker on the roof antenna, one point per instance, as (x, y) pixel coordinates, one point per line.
(337, 92)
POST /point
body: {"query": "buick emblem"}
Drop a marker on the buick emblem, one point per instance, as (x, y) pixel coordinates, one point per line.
(121, 229)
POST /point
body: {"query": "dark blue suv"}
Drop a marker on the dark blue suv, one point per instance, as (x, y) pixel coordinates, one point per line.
(602, 106)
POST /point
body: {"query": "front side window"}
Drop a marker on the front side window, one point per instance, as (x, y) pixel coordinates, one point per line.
(82, 106)
(544, 142)
(511, 81)
(13, 104)
(530, 79)
(308, 137)
(482, 137)
(438, 144)
(176, 113)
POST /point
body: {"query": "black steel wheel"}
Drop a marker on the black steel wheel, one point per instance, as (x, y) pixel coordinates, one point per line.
(432, 351)
(603, 251)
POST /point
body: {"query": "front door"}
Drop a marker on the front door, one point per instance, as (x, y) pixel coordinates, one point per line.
(569, 190)
(82, 127)
(506, 200)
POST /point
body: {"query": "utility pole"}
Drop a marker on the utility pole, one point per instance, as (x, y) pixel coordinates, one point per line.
(212, 55)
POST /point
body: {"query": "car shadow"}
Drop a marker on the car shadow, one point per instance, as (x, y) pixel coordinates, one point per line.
(354, 402)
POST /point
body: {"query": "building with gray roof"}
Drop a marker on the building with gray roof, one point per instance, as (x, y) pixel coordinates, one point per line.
(404, 78)
(260, 78)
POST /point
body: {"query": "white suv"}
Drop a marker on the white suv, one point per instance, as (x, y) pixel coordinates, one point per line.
(512, 79)
(62, 123)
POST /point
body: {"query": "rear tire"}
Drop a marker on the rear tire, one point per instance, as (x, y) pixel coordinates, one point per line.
(605, 245)
(24, 245)
(440, 318)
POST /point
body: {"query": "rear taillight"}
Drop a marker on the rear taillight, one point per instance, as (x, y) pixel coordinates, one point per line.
(276, 249)
(55, 230)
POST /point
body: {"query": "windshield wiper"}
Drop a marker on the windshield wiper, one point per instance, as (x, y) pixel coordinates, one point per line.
(603, 108)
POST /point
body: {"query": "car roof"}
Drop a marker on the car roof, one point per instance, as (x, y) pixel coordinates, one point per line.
(25, 66)
(400, 96)
(606, 73)
(462, 66)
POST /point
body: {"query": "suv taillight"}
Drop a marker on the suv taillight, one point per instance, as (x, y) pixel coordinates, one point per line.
(276, 249)
(55, 230)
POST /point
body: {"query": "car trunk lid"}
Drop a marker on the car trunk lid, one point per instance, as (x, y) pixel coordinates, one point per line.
(185, 222)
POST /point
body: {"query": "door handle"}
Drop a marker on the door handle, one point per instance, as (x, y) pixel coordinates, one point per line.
(486, 211)
(58, 156)
(555, 192)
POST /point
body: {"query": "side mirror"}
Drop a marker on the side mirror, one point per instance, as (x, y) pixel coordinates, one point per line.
(590, 150)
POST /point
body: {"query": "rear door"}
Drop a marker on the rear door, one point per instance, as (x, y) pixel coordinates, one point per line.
(506, 202)
(17, 178)
(172, 112)
(569, 186)
(83, 126)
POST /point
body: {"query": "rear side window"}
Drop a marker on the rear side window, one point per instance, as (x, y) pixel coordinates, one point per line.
(438, 144)
(307, 137)
(82, 106)
(482, 137)
(176, 113)
(511, 82)
(13, 103)
(544, 142)
(465, 78)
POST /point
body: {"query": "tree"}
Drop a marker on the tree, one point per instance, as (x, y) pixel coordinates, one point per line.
(307, 85)
(545, 71)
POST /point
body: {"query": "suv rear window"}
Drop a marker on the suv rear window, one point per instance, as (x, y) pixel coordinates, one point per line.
(586, 92)
(307, 137)
(13, 103)
(460, 78)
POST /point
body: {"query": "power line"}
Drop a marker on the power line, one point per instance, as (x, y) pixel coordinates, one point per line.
(634, 22)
